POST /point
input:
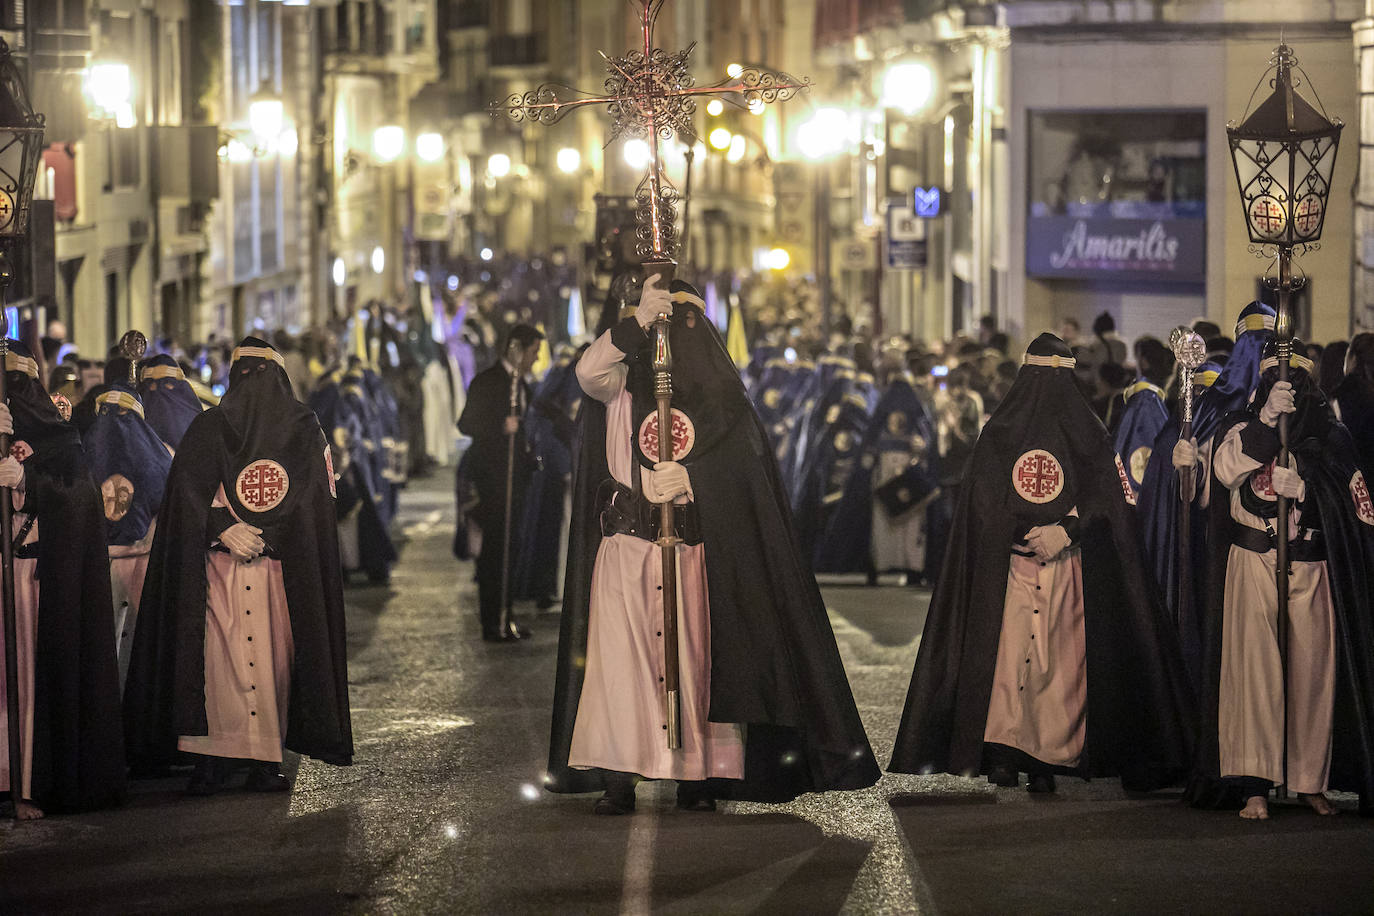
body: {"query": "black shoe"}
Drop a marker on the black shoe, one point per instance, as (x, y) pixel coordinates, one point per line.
(1040, 783)
(694, 796)
(209, 776)
(1005, 777)
(265, 777)
(619, 797)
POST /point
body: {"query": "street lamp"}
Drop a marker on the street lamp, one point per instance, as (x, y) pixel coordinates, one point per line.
(109, 87)
(378, 259)
(429, 147)
(498, 165)
(1284, 155)
(637, 154)
(908, 86)
(21, 145)
(388, 142)
(569, 160)
(265, 116)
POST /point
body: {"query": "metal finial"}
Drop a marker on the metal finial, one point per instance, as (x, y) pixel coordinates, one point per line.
(1189, 349)
(132, 346)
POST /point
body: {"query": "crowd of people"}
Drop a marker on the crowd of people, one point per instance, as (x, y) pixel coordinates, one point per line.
(1105, 593)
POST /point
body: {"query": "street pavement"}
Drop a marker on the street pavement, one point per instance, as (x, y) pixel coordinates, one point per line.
(442, 811)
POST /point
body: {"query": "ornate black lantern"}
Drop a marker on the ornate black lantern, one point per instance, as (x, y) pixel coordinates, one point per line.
(1284, 154)
(21, 147)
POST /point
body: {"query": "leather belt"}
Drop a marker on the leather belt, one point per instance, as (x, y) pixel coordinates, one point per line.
(626, 512)
(1307, 545)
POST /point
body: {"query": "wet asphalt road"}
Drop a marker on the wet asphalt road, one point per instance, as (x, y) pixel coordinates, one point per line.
(441, 812)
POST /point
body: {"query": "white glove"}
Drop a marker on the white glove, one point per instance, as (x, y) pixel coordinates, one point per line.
(6, 419)
(1185, 454)
(242, 540)
(1280, 401)
(1048, 541)
(11, 472)
(654, 300)
(1288, 484)
(669, 482)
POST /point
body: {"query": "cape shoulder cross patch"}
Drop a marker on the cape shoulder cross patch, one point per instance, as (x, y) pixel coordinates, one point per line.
(1037, 477)
(1126, 489)
(20, 450)
(684, 435)
(262, 485)
(1359, 492)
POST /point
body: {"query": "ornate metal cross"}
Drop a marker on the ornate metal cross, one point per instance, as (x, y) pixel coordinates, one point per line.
(651, 95)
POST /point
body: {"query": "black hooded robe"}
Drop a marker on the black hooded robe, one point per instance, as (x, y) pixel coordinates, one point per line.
(1140, 713)
(78, 748)
(165, 694)
(774, 663)
(1329, 464)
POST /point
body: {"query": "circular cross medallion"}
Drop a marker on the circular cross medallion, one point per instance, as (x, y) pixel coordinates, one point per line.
(1307, 216)
(684, 436)
(1267, 216)
(1140, 460)
(1037, 476)
(262, 485)
(1359, 491)
(117, 491)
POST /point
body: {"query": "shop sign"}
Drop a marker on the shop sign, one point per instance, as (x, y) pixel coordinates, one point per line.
(1163, 250)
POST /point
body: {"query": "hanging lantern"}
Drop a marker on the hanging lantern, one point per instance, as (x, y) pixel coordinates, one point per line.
(1284, 154)
(21, 146)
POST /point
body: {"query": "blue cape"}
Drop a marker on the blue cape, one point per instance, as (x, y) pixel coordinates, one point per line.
(120, 443)
(1144, 417)
(169, 403)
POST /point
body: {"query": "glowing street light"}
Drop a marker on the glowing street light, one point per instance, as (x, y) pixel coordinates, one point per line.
(109, 87)
(378, 260)
(498, 165)
(720, 139)
(637, 154)
(569, 160)
(339, 273)
(908, 87)
(388, 142)
(734, 71)
(715, 107)
(429, 147)
(736, 151)
(266, 117)
(756, 107)
(486, 254)
(823, 134)
(777, 259)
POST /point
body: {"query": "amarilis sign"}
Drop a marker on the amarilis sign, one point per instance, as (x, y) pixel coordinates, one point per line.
(1100, 248)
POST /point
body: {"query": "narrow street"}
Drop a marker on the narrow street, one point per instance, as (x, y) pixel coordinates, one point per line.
(442, 811)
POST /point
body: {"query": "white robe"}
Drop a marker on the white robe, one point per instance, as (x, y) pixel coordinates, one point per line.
(440, 434)
(621, 717)
(248, 654)
(1040, 684)
(1250, 712)
(128, 568)
(26, 620)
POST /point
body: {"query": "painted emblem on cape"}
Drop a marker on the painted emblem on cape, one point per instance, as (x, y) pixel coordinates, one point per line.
(896, 423)
(329, 469)
(20, 450)
(1037, 476)
(684, 435)
(1140, 460)
(1262, 483)
(832, 414)
(843, 441)
(1359, 491)
(1126, 490)
(262, 485)
(772, 398)
(64, 406)
(117, 491)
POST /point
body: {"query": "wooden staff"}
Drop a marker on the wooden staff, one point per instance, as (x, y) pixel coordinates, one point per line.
(16, 754)
(510, 493)
(667, 528)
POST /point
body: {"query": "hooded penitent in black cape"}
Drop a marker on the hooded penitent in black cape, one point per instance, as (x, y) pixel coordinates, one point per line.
(339, 417)
(1327, 461)
(1355, 395)
(1140, 713)
(78, 749)
(169, 401)
(119, 442)
(774, 663)
(258, 418)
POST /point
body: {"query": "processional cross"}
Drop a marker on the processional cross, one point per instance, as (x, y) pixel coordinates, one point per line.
(651, 95)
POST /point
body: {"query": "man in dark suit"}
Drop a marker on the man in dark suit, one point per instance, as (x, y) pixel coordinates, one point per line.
(496, 402)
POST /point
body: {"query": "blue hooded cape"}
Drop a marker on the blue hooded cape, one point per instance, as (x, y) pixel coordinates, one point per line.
(169, 402)
(120, 443)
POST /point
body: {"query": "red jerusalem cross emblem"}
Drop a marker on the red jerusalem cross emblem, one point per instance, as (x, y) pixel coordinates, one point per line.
(1359, 491)
(684, 436)
(1267, 216)
(1037, 476)
(1262, 482)
(262, 485)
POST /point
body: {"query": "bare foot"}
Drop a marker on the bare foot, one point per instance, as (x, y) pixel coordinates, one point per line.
(1256, 808)
(28, 811)
(1320, 803)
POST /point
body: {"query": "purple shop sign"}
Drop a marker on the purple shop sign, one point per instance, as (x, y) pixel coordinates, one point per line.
(1166, 250)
